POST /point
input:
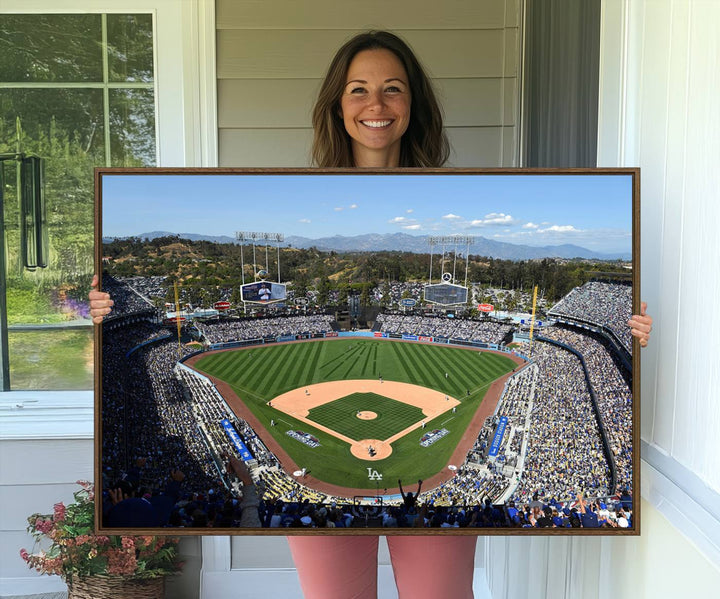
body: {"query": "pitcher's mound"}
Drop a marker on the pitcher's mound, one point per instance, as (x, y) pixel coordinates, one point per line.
(367, 415)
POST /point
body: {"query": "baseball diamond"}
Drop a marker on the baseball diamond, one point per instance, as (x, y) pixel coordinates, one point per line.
(367, 401)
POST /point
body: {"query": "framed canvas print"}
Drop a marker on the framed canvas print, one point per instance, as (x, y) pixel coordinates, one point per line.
(340, 352)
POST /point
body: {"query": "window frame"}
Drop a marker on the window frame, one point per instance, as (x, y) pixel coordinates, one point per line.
(184, 32)
(186, 135)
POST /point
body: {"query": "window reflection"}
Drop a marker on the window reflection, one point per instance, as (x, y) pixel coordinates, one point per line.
(132, 127)
(63, 117)
(61, 48)
(129, 37)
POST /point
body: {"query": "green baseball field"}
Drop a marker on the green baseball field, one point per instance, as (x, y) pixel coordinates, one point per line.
(355, 395)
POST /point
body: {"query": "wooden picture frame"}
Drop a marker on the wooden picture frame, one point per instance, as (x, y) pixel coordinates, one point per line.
(235, 346)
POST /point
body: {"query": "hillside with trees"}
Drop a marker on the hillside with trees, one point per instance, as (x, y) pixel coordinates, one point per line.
(206, 265)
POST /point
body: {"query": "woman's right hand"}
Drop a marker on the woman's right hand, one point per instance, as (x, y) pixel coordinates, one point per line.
(100, 302)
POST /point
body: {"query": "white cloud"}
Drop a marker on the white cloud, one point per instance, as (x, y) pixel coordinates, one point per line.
(409, 211)
(338, 208)
(304, 220)
(411, 224)
(530, 226)
(494, 218)
(498, 218)
(353, 206)
(452, 216)
(560, 229)
(509, 234)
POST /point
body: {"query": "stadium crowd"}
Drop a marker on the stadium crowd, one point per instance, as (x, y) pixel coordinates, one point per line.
(128, 298)
(515, 405)
(146, 416)
(257, 328)
(551, 445)
(564, 447)
(612, 391)
(425, 512)
(439, 326)
(390, 293)
(603, 304)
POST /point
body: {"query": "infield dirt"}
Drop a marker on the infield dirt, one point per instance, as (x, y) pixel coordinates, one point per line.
(298, 403)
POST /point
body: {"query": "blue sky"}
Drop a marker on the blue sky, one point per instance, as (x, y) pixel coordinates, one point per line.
(592, 211)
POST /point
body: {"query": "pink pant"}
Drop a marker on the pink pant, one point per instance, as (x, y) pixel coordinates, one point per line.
(425, 567)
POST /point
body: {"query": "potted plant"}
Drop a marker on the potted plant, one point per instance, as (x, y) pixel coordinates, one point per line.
(97, 566)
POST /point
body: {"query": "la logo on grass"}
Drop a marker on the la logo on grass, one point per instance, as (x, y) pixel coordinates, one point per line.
(374, 474)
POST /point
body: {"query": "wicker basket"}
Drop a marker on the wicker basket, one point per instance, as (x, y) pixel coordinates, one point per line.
(116, 587)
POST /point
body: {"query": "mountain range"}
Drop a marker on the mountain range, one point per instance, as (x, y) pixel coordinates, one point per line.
(417, 244)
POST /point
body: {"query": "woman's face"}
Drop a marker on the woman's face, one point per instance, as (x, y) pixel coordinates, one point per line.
(375, 107)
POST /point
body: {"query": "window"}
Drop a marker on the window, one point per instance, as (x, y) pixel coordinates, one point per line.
(77, 90)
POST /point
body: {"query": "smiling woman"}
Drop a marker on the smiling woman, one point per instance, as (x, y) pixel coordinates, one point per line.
(373, 79)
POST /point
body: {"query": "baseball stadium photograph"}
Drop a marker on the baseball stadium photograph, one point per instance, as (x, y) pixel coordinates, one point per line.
(326, 352)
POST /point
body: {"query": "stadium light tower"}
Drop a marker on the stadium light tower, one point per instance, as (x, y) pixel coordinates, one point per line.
(261, 292)
(259, 236)
(455, 240)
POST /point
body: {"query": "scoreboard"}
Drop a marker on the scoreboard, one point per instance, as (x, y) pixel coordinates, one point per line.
(446, 294)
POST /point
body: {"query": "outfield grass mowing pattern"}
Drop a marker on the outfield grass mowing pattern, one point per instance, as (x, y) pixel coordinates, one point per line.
(341, 416)
(260, 373)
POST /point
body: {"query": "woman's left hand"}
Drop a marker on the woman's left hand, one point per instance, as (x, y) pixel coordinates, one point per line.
(641, 325)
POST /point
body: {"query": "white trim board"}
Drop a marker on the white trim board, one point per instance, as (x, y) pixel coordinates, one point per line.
(46, 415)
(690, 506)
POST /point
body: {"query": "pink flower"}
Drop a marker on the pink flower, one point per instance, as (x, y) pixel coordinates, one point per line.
(121, 562)
(88, 488)
(72, 554)
(44, 526)
(128, 543)
(59, 512)
(53, 565)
